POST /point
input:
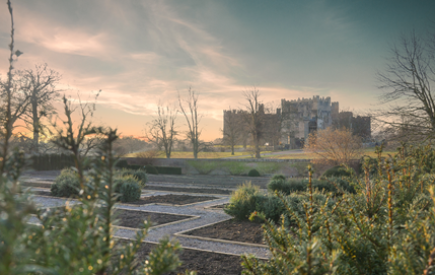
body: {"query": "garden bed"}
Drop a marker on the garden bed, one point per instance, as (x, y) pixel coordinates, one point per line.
(136, 218)
(230, 230)
(172, 199)
(203, 262)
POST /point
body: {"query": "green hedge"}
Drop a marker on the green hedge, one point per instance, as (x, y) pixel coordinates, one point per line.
(52, 161)
(338, 171)
(297, 185)
(166, 170)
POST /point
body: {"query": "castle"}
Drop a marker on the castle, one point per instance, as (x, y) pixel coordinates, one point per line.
(296, 119)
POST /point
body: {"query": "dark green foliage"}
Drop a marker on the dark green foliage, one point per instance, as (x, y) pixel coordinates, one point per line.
(383, 224)
(122, 163)
(128, 189)
(278, 177)
(253, 173)
(52, 161)
(151, 170)
(166, 170)
(301, 185)
(338, 171)
(271, 206)
(139, 175)
(67, 184)
(243, 201)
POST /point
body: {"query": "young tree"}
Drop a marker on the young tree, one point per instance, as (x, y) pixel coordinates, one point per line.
(233, 128)
(193, 119)
(254, 119)
(40, 88)
(13, 103)
(161, 131)
(407, 82)
(71, 137)
(337, 145)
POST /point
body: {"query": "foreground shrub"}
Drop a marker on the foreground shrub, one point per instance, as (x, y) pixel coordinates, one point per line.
(253, 173)
(387, 226)
(128, 188)
(243, 201)
(67, 184)
(139, 175)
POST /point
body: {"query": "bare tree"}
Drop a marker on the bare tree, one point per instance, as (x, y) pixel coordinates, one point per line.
(337, 145)
(71, 137)
(193, 119)
(407, 82)
(40, 88)
(128, 145)
(13, 104)
(255, 119)
(161, 131)
(233, 128)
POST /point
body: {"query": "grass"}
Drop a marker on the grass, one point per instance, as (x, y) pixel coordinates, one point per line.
(201, 155)
(235, 167)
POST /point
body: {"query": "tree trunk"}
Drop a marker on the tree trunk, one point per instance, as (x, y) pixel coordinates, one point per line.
(232, 149)
(35, 119)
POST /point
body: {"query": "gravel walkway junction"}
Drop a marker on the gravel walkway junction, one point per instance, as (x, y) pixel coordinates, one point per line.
(206, 216)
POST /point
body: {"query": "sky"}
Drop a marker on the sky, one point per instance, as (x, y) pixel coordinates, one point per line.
(144, 53)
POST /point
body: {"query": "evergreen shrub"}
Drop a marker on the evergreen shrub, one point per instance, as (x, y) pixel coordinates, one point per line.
(243, 201)
(67, 184)
(128, 188)
(385, 226)
(301, 185)
(253, 173)
(338, 171)
(139, 175)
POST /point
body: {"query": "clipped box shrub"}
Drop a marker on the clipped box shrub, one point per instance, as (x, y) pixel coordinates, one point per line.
(139, 175)
(67, 184)
(253, 173)
(128, 188)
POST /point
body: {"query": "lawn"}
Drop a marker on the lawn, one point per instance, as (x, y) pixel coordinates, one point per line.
(368, 152)
(201, 155)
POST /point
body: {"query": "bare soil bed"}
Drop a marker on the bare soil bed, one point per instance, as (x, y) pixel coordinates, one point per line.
(166, 199)
(232, 230)
(172, 199)
(135, 219)
(205, 263)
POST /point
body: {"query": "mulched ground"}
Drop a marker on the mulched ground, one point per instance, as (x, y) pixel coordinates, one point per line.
(135, 219)
(232, 230)
(172, 199)
(205, 263)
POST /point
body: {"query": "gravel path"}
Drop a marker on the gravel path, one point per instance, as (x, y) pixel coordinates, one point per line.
(207, 216)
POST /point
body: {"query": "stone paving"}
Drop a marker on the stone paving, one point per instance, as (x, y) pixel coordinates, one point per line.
(206, 216)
